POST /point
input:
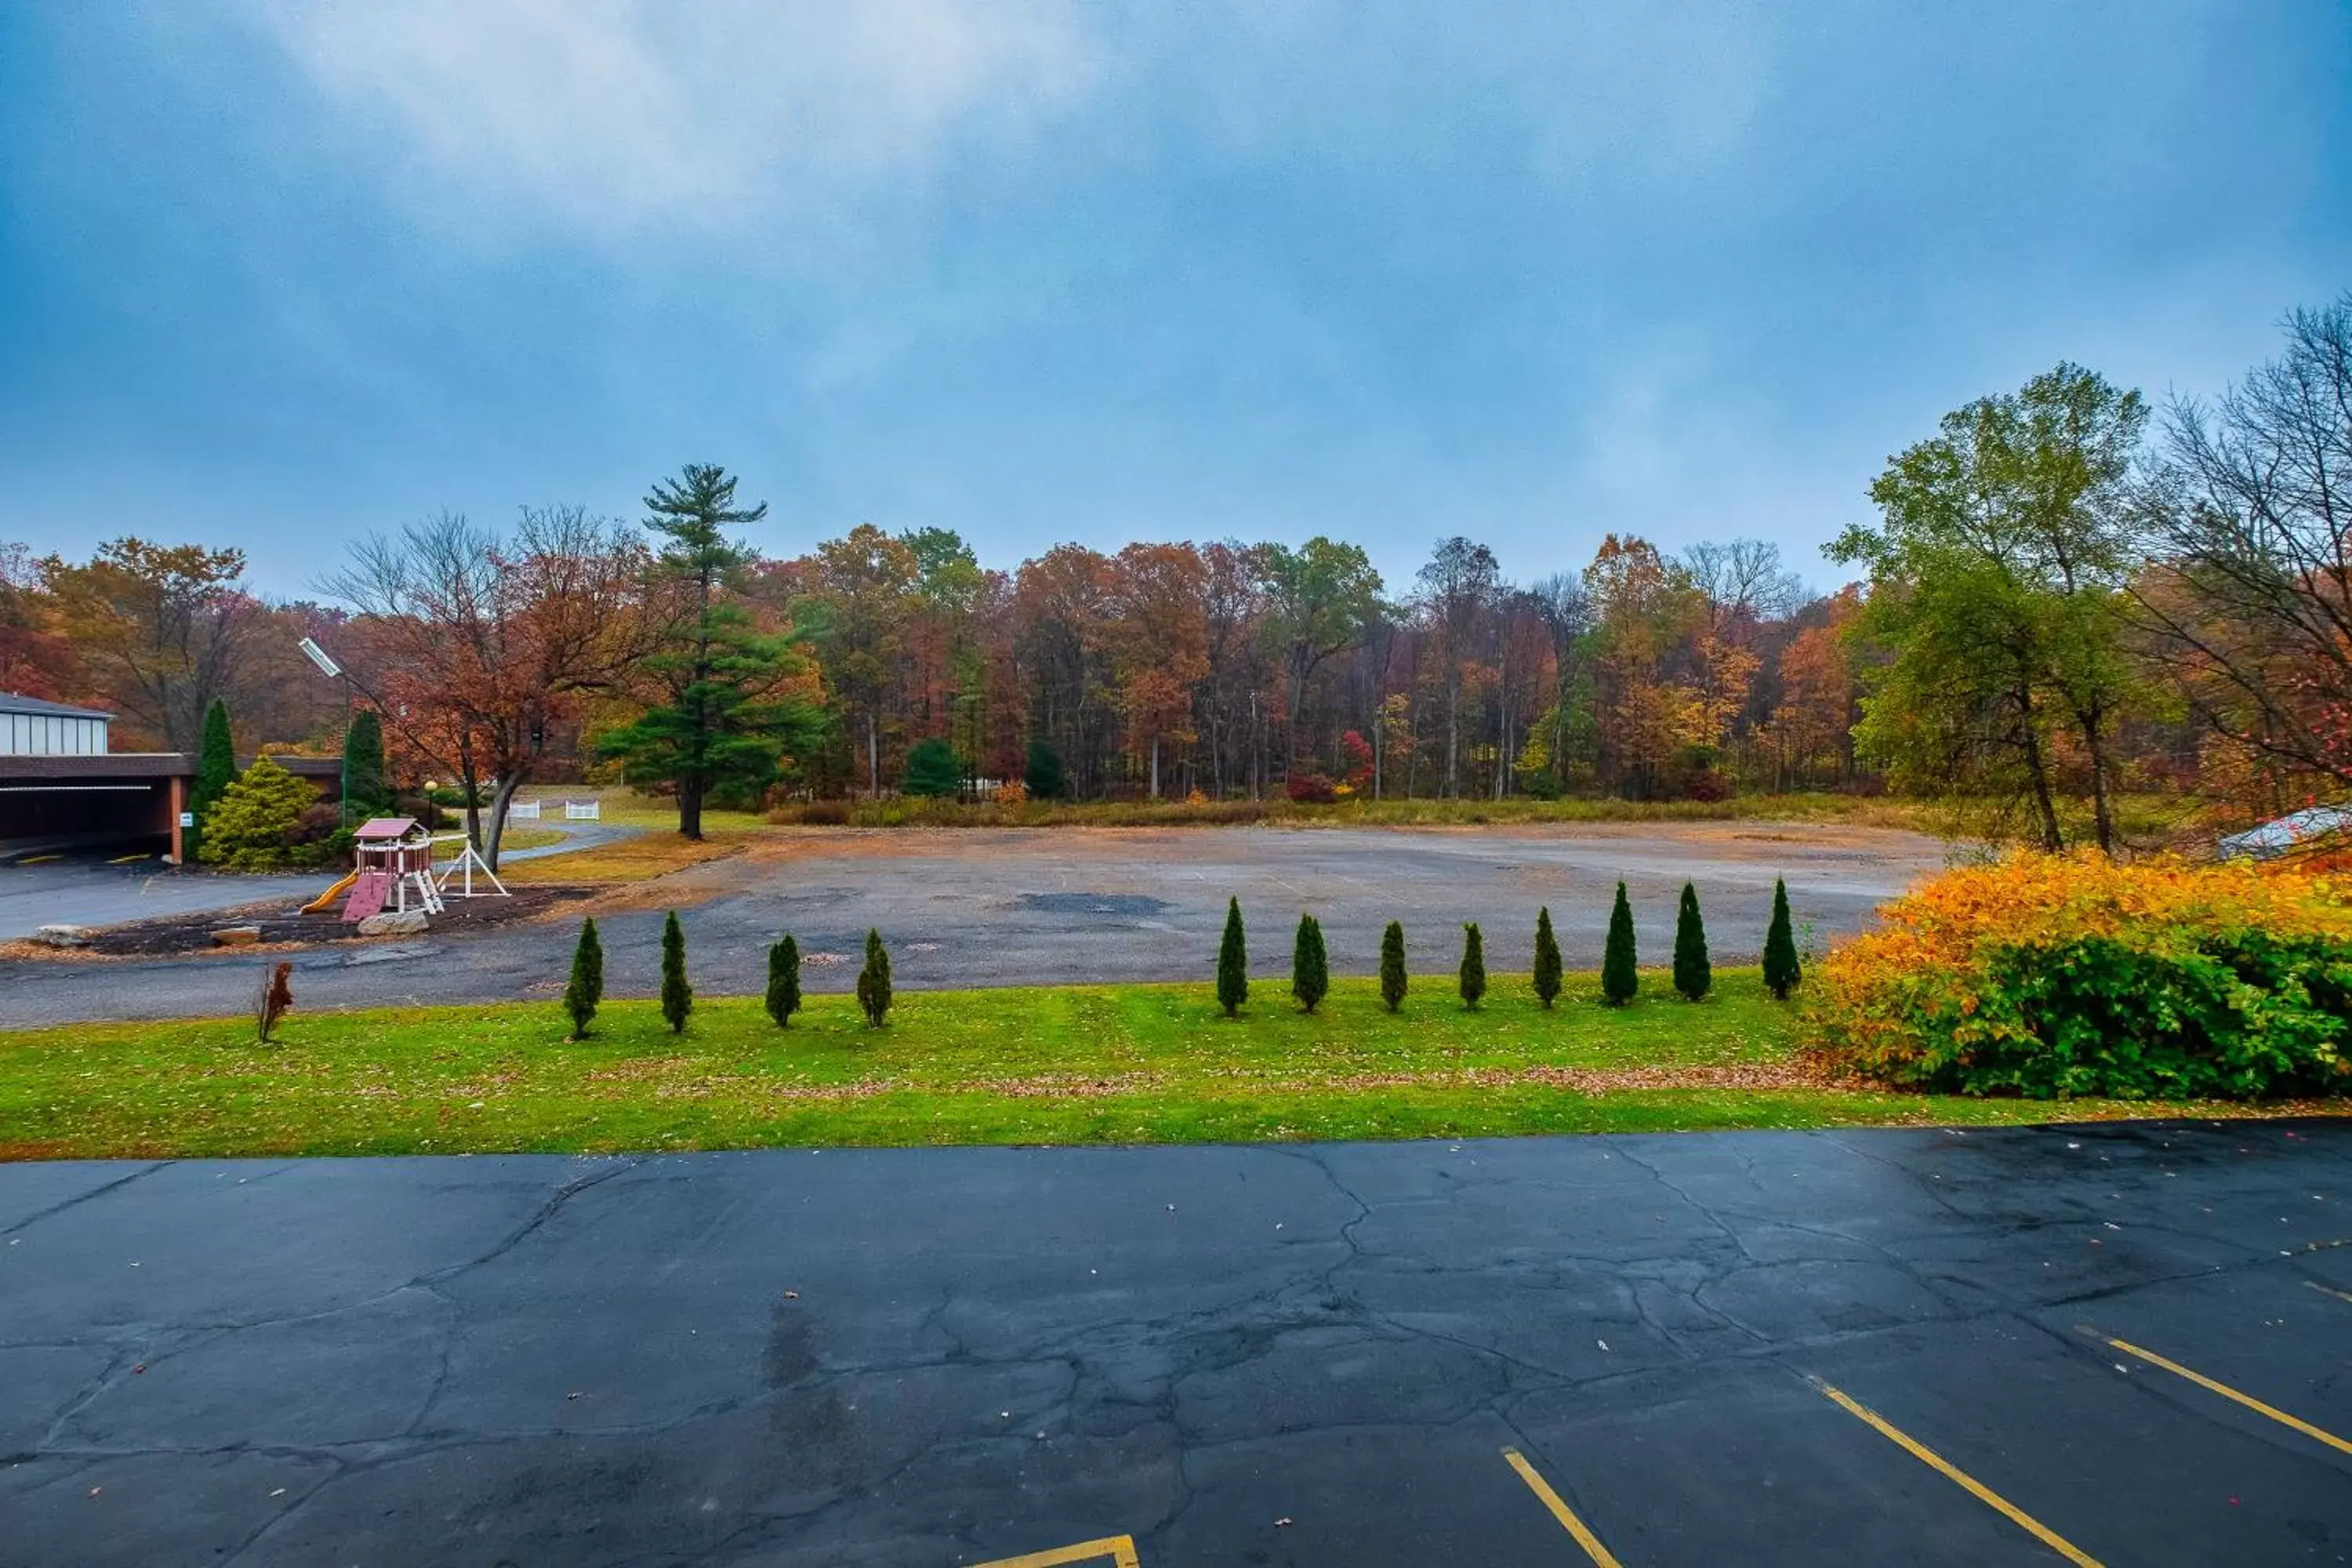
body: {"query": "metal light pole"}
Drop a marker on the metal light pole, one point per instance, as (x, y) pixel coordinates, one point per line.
(334, 671)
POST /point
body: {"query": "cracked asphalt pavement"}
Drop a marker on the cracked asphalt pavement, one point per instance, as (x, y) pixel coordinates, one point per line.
(1038, 907)
(1277, 1354)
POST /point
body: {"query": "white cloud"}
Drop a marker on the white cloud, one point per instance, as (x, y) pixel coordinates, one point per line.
(625, 116)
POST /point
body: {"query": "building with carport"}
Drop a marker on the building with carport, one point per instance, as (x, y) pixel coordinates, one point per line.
(62, 786)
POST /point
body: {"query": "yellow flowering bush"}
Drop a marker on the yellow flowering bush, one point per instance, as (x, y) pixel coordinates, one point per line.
(2047, 975)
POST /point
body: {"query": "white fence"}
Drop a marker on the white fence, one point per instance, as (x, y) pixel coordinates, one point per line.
(573, 810)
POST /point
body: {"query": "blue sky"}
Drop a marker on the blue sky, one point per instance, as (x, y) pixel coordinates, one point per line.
(276, 274)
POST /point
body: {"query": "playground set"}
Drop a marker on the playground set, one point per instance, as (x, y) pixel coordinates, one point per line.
(394, 867)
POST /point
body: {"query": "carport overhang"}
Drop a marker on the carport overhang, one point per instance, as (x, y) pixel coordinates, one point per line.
(125, 798)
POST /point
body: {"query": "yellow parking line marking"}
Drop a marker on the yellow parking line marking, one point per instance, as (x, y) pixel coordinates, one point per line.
(1601, 1556)
(2226, 1392)
(1120, 1549)
(2329, 1290)
(1960, 1478)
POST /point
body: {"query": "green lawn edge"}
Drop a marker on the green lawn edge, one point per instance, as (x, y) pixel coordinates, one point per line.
(1059, 1065)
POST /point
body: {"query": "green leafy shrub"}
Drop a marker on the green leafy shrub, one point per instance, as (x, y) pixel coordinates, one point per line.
(248, 828)
(1473, 978)
(318, 837)
(2048, 975)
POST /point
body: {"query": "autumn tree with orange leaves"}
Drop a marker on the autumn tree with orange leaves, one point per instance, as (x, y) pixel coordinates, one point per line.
(477, 646)
(1159, 642)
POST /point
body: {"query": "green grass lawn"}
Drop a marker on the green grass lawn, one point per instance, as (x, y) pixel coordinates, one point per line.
(1065, 1065)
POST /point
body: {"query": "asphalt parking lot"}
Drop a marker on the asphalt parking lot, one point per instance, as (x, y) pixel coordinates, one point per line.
(2116, 1344)
(983, 907)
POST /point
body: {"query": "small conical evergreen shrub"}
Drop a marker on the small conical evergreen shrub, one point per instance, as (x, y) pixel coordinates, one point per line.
(1619, 978)
(874, 980)
(1473, 966)
(1393, 965)
(677, 996)
(1233, 962)
(586, 987)
(1692, 974)
(1546, 977)
(784, 981)
(1782, 970)
(1310, 974)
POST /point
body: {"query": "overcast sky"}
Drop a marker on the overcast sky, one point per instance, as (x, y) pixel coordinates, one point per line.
(275, 273)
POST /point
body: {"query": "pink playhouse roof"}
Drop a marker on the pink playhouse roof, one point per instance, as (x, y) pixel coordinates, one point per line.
(386, 827)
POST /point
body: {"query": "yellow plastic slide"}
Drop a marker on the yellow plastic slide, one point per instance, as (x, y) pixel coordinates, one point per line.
(319, 905)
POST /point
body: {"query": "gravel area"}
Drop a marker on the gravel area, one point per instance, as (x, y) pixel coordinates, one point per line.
(974, 907)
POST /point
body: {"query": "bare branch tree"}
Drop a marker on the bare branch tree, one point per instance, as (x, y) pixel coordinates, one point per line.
(485, 641)
(2248, 518)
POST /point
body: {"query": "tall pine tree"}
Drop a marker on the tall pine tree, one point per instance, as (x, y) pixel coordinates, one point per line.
(726, 708)
(1233, 962)
(1473, 966)
(1782, 970)
(1692, 974)
(1620, 978)
(677, 995)
(586, 986)
(1310, 973)
(1547, 976)
(216, 771)
(365, 790)
(1392, 976)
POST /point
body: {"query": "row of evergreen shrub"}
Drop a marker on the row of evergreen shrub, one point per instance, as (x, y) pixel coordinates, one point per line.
(1620, 981)
(1310, 973)
(585, 989)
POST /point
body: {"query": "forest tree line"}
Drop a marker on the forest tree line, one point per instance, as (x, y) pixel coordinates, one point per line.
(2066, 596)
